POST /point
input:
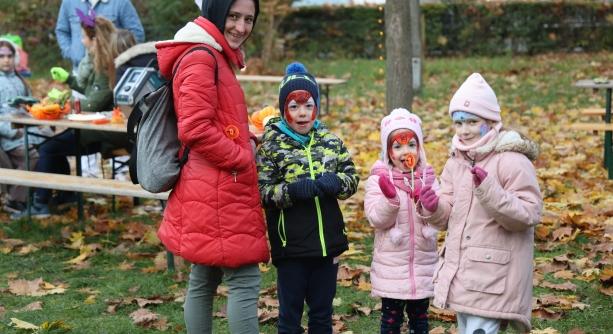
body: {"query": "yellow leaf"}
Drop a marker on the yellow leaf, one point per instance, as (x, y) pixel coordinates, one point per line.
(22, 324)
(90, 300)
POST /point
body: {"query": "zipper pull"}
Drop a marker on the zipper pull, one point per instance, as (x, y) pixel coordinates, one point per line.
(234, 174)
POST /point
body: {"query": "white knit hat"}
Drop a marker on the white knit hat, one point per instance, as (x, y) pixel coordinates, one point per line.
(476, 97)
(401, 118)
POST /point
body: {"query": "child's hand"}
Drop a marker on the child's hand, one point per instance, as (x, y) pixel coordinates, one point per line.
(387, 188)
(59, 74)
(303, 189)
(429, 199)
(479, 174)
(329, 183)
(427, 178)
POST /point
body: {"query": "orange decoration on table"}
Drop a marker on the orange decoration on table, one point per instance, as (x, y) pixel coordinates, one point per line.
(117, 116)
(47, 111)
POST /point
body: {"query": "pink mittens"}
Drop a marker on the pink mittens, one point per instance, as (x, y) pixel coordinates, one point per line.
(429, 199)
(479, 174)
(387, 188)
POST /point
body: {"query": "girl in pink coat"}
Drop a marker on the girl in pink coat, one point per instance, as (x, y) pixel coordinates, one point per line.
(489, 202)
(405, 248)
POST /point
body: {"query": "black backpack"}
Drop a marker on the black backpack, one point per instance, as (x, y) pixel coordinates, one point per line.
(152, 129)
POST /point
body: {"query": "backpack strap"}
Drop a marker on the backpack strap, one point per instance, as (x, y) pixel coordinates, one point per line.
(196, 48)
(185, 154)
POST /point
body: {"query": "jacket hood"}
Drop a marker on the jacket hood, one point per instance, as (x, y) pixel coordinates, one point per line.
(509, 141)
(199, 31)
(135, 51)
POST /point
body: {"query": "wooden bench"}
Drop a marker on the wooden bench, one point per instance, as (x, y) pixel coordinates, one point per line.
(592, 112)
(76, 183)
(324, 82)
(592, 126)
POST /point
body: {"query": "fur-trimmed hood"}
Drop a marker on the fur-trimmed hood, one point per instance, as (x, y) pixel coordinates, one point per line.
(135, 51)
(507, 141)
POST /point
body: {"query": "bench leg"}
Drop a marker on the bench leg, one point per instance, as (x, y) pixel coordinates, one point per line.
(80, 213)
(608, 140)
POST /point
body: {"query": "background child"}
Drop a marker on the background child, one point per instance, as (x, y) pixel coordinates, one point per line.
(303, 170)
(405, 248)
(489, 202)
(13, 88)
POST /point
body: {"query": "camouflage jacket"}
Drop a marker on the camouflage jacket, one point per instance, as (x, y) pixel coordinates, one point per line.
(310, 228)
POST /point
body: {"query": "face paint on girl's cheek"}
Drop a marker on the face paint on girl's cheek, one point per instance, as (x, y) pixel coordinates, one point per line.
(484, 129)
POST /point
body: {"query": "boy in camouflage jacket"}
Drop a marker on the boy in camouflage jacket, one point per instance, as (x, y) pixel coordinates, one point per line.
(303, 170)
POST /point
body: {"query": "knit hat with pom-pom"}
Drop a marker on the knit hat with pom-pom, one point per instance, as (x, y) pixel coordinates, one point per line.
(297, 78)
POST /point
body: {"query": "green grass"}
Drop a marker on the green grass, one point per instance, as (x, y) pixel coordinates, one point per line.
(521, 83)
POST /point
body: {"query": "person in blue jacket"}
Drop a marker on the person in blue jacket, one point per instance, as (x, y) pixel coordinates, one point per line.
(68, 28)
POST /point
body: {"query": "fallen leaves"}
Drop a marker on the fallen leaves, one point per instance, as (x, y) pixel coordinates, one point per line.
(36, 287)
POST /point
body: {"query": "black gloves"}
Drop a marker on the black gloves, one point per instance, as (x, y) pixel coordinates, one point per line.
(303, 189)
(329, 183)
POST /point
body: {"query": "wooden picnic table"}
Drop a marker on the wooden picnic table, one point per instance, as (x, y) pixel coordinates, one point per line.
(607, 85)
(27, 121)
(325, 83)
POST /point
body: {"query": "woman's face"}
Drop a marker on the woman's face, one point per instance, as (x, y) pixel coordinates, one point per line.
(87, 42)
(7, 59)
(239, 22)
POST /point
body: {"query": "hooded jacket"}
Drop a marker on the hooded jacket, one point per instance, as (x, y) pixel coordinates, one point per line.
(399, 270)
(213, 215)
(307, 228)
(485, 267)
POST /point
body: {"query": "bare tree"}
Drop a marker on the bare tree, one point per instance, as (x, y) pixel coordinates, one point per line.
(399, 79)
(272, 14)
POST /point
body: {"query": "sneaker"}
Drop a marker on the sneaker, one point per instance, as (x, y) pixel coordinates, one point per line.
(14, 206)
(36, 211)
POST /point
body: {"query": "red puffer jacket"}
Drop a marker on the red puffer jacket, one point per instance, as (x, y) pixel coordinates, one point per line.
(213, 216)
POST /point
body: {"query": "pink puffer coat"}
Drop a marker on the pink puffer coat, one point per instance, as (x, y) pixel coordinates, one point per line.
(404, 270)
(486, 264)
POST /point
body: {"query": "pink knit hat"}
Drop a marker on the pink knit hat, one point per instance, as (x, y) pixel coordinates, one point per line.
(401, 118)
(476, 97)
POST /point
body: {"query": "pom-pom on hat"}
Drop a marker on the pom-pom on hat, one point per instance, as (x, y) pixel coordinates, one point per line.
(297, 78)
(401, 118)
(476, 97)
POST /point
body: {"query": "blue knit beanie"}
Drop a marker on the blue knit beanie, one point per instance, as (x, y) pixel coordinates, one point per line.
(297, 78)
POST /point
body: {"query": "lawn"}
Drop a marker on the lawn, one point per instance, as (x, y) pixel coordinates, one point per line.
(109, 276)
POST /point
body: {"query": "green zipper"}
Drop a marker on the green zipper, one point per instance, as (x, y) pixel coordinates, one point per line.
(320, 224)
(281, 229)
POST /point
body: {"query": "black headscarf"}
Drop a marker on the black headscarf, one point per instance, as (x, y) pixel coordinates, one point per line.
(216, 11)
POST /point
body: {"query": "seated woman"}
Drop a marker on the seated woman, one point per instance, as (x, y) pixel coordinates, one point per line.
(98, 34)
(14, 88)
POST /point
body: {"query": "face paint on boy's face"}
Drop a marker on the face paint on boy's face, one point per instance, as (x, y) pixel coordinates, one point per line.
(404, 149)
(468, 127)
(300, 111)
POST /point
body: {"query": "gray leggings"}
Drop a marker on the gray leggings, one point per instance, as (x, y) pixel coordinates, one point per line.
(243, 292)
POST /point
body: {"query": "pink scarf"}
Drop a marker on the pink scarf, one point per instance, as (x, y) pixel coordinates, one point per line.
(471, 149)
(402, 180)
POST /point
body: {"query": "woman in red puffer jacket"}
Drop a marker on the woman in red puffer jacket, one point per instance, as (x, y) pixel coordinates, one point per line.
(213, 217)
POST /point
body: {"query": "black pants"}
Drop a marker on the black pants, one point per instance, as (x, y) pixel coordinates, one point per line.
(312, 280)
(392, 315)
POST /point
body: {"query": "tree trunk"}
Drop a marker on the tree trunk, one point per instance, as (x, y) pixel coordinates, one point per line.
(398, 85)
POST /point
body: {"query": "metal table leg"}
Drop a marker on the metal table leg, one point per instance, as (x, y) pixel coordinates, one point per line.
(80, 214)
(27, 153)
